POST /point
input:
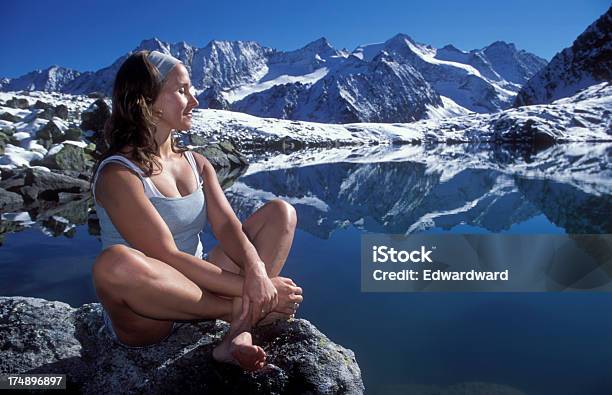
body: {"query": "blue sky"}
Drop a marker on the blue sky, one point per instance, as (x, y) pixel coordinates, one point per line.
(38, 34)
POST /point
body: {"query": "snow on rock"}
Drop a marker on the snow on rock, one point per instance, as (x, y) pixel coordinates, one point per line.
(585, 117)
(16, 156)
(25, 145)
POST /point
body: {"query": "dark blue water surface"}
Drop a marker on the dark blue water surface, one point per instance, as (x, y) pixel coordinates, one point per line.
(538, 343)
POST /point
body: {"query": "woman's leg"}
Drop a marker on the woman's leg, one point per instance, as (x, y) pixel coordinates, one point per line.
(143, 296)
(270, 229)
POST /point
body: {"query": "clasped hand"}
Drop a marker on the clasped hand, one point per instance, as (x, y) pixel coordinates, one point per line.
(259, 291)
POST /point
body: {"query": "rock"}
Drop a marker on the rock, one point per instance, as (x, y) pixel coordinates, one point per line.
(52, 337)
(7, 116)
(73, 134)
(9, 199)
(50, 132)
(34, 184)
(4, 140)
(41, 105)
(68, 157)
(35, 332)
(222, 155)
(18, 103)
(61, 111)
(50, 111)
(95, 116)
(47, 113)
(96, 95)
(8, 130)
(45, 143)
(90, 149)
(94, 119)
(530, 131)
(213, 99)
(196, 139)
(9, 227)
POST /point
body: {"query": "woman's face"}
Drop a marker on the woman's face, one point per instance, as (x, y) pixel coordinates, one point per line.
(175, 101)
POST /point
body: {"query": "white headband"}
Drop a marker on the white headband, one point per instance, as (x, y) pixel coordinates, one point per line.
(164, 63)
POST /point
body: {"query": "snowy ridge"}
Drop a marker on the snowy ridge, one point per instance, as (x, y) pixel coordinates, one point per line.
(585, 117)
(396, 81)
(52, 79)
(243, 91)
(471, 79)
(587, 62)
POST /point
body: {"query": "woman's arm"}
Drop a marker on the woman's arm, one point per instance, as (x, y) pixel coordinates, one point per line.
(227, 228)
(144, 229)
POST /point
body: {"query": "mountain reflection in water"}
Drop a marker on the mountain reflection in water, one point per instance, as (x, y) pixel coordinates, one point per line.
(407, 342)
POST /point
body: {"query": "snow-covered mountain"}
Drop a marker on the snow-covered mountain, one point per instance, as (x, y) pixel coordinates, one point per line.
(483, 80)
(587, 62)
(363, 87)
(52, 79)
(382, 90)
(396, 81)
(586, 116)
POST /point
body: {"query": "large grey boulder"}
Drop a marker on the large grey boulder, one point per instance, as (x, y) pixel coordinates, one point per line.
(67, 157)
(20, 103)
(9, 199)
(39, 336)
(35, 184)
(50, 132)
(95, 116)
(221, 155)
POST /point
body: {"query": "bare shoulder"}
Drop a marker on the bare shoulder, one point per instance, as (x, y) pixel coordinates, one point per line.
(132, 213)
(116, 177)
(201, 161)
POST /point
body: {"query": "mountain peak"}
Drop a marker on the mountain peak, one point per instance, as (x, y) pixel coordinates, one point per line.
(152, 44)
(216, 43)
(450, 47)
(319, 45)
(400, 37)
(501, 45)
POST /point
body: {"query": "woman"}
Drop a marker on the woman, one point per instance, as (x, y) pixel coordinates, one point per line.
(152, 199)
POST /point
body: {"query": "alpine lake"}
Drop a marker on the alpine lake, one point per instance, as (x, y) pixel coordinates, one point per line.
(536, 342)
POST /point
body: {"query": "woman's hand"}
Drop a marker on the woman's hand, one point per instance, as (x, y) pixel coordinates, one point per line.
(258, 290)
(289, 295)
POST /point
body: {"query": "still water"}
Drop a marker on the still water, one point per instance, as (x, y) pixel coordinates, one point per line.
(537, 343)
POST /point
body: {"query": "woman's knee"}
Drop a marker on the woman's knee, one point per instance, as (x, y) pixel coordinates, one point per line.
(119, 263)
(284, 211)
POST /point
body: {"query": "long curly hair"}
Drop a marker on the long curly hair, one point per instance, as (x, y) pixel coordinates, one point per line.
(137, 85)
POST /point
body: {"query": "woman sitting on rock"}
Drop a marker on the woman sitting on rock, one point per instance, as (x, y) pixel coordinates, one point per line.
(152, 270)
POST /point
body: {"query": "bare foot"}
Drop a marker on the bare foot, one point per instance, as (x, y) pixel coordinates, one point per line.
(240, 350)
